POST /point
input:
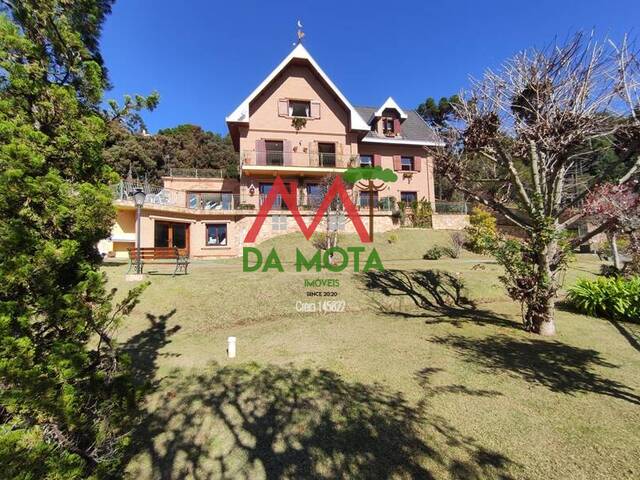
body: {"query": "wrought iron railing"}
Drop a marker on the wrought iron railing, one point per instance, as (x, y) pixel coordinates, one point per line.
(298, 159)
(226, 201)
(230, 171)
(153, 194)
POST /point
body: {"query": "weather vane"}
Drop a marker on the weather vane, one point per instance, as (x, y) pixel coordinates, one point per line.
(300, 33)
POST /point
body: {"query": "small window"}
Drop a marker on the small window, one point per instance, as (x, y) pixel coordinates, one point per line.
(314, 195)
(366, 161)
(216, 234)
(388, 125)
(299, 108)
(364, 199)
(279, 223)
(409, 197)
(406, 163)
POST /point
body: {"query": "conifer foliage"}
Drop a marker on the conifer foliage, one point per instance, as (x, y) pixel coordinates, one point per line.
(67, 397)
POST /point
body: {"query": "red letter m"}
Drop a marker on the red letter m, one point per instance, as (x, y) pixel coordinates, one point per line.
(289, 198)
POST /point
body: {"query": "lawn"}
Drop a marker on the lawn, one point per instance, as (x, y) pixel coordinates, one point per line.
(427, 374)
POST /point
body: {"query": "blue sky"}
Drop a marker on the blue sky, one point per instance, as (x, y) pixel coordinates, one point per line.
(204, 57)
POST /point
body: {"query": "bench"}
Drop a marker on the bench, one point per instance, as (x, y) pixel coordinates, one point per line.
(167, 255)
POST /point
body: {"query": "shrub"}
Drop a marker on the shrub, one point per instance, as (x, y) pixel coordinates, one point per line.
(612, 297)
(482, 232)
(324, 240)
(437, 252)
(457, 241)
(393, 238)
(421, 213)
(246, 206)
(434, 253)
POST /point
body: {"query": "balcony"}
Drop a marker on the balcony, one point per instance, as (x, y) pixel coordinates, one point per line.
(273, 160)
(225, 202)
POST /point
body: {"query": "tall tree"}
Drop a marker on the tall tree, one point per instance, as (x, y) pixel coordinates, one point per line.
(529, 123)
(438, 114)
(181, 147)
(66, 393)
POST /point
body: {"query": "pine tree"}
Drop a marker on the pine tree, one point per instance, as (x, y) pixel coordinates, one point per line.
(67, 397)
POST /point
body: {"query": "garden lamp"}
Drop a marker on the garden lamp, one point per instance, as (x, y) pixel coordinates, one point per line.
(138, 200)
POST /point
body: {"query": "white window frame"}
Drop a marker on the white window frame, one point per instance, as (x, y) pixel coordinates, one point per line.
(307, 108)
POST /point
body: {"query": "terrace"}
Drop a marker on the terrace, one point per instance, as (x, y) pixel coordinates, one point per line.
(224, 202)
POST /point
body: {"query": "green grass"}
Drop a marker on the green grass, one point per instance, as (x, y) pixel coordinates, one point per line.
(406, 383)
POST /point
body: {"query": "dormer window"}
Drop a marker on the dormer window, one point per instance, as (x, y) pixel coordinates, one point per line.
(388, 125)
(299, 108)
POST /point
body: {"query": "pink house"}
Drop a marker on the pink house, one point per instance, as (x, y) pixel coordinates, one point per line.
(296, 124)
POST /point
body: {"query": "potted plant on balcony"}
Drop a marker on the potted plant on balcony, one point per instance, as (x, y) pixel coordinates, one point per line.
(298, 123)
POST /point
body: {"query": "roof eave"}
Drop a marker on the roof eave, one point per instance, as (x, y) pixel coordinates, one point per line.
(390, 141)
(241, 113)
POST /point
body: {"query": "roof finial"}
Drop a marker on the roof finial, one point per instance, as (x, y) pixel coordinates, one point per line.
(300, 33)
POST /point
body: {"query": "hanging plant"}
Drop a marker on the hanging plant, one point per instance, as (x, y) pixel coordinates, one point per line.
(298, 123)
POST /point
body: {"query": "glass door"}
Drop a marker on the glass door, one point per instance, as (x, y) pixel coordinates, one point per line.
(172, 234)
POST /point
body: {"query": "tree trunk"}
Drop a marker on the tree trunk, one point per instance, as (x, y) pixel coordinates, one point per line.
(613, 240)
(539, 314)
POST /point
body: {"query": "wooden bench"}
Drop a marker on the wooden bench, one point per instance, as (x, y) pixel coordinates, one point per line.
(167, 255)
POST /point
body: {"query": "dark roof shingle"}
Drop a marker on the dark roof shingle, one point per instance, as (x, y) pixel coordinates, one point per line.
(414, 127)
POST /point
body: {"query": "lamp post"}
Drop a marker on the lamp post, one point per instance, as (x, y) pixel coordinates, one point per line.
(138, 199)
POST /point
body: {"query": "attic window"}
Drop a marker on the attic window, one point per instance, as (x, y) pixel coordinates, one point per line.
(388, 125)
(299, 108)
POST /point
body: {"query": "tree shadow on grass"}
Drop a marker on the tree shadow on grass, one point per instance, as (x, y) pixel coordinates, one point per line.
(251, 421)
(554, 365)
(435, 295)
(624, 328)
(144, 348)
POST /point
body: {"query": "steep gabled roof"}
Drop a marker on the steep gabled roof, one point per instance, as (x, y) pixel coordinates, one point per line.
(414, 130)
(390, 103)
(241, 114)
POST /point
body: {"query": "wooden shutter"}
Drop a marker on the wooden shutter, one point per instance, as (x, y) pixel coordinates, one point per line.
(417, 163)
(315, 109)
(396, 126)
(377, 160)
(340, 163)
(397, 164)
(261, 152)
(286, 154)
(283, 107)
(314, 158)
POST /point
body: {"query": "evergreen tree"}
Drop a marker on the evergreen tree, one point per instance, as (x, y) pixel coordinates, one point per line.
(438, 114)
(67, 397)
(184, 146)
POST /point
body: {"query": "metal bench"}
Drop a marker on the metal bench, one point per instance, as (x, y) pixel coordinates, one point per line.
(166, 255)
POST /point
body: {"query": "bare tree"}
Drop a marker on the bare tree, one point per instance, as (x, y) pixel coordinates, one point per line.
(520, 132)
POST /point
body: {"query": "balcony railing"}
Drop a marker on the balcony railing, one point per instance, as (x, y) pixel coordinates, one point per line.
(298, 159)
(224, 201)
(231, 171)
(153, 194)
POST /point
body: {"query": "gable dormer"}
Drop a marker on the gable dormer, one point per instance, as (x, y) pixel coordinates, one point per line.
(308, 94)
(387, 120)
